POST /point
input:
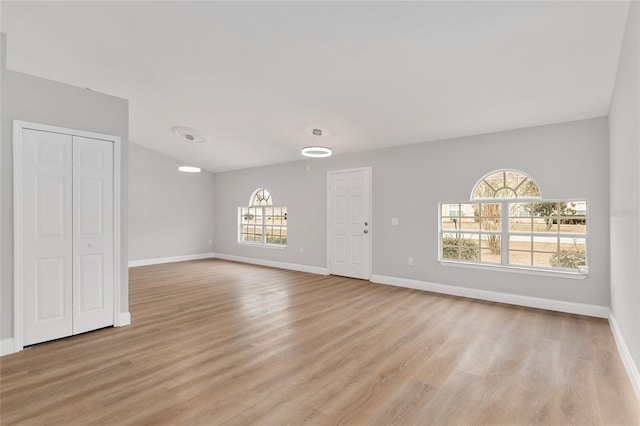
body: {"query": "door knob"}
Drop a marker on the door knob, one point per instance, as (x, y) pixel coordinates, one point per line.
(366, 231)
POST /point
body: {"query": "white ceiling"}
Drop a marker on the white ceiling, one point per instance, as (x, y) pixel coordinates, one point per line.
(256, 77)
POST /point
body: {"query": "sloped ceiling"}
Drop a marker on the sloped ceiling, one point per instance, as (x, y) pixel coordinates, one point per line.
(256, 77)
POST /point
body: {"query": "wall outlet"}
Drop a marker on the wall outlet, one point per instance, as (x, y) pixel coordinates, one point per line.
(210, 242)
(410, 261)
(301, 250)
(395, 221)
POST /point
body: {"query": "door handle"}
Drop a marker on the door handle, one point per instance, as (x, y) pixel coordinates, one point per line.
(366, 231)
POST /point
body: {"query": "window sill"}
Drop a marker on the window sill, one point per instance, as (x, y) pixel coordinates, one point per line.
(517, 269)
(271, 246)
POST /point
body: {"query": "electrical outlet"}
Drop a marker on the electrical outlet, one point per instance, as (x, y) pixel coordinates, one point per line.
(410, 261)
(301, 250)
(210, 242)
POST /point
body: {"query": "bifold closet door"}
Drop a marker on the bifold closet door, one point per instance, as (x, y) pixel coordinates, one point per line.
(47, 235)
(92, 234)
(67, 235)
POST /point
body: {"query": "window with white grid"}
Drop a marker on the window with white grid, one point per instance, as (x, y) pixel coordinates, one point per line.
(261, 222)
(507, 223)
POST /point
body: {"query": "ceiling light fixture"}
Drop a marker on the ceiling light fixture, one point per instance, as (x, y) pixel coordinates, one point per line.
(316, 151)
(191, 137)
(189, 169)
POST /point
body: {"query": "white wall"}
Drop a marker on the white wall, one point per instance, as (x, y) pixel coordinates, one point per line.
(568, 160)
(29, 98)
(624, 125)
(170, 212)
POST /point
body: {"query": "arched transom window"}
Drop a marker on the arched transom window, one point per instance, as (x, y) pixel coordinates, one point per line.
(508, 224)
(261, 222)
(505, 184)
(260, 197)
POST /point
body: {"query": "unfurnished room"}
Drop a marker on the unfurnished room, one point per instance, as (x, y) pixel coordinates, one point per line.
(320, 212)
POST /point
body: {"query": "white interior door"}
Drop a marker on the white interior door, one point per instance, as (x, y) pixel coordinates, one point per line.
(66, 235)
(349, 228)
(47, 235)
(92, 234)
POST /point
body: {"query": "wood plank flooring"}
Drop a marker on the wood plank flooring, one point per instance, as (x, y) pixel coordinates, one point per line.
(215, 342)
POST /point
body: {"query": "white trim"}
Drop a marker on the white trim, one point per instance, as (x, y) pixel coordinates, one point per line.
(627, 360)
(7, 346)
(18, 127)
(369, 272)
(517, 269)
(269, 246)
(274, 264)
(17, 236)
(493, 296)
(124, 318)
(117, 214)
(159, 260)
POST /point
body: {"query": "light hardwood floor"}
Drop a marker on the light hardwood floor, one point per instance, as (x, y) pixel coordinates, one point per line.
(215, 342)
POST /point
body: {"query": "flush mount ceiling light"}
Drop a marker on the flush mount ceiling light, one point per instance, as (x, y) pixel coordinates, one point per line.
(192, 138)
(316, 151)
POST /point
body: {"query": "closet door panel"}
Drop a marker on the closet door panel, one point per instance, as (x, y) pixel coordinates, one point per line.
(92, 234)
(47, 235)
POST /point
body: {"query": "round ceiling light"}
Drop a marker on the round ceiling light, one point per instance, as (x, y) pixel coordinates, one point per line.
(189, 169)
(316, 151)
(191, 137)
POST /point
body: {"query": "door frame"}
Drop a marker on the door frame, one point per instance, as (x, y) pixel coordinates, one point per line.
(18, 308)
(368, 169)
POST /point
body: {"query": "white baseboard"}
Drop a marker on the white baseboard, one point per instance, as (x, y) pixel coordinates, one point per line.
(7, 347)
(493, 296)
(124, 319)
(274, 264)
(156, 261)
(627, 360)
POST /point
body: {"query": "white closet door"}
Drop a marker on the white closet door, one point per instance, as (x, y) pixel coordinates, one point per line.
(92, 234)
(47, 235)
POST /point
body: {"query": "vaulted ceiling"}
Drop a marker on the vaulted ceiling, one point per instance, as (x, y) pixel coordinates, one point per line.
(256, 77)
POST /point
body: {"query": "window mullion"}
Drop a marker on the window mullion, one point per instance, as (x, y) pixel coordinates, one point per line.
(264, 230)
(504, 245)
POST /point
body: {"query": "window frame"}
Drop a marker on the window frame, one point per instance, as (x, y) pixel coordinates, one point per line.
(263, 225)
(505, 233)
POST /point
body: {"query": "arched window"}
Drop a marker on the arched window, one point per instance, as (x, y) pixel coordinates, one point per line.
(261, 222)
(505, 184)
(508, 224)
(260, 197)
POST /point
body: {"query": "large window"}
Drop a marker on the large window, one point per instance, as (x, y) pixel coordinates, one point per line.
(508, 224)
(262, 222)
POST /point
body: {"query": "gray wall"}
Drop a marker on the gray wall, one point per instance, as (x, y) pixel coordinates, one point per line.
(625, 188)
(170, 212)
(29, 98)
(568, 160)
